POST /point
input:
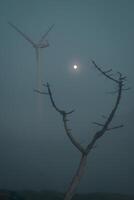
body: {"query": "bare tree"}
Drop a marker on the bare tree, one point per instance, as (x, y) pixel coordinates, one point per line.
(103, 127)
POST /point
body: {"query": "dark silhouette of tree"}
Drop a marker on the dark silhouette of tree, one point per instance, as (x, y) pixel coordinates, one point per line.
(85, 151)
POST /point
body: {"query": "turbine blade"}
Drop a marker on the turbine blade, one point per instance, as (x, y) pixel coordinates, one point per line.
(22, 34)
(46, 33)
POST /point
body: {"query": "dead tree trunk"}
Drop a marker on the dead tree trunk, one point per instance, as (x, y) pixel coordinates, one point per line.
(76, 178)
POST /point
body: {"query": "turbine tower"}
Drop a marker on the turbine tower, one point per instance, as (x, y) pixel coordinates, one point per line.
(41, 44)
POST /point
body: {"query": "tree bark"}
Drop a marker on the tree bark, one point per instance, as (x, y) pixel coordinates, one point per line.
(76, 179)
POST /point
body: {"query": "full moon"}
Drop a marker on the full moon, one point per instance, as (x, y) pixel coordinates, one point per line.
(75, 67)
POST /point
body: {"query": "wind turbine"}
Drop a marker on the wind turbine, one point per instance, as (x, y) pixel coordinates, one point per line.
(41, 44)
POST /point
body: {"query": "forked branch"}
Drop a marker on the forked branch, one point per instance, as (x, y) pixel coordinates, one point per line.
(64, 115)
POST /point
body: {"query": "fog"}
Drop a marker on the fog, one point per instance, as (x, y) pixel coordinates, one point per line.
(35, 152)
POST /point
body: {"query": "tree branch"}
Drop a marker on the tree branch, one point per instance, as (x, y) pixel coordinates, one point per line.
(98, 124)
(115, 127)
(103, 72)
(40, 92)
(105, 126)
(65, 120)
(102, 125)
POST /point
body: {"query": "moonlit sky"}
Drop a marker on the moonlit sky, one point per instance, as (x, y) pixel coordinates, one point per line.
(35, 153)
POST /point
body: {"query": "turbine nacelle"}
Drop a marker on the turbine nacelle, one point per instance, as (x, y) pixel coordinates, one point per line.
(43, 45)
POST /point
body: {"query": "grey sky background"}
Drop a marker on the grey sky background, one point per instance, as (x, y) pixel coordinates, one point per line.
(35, 153)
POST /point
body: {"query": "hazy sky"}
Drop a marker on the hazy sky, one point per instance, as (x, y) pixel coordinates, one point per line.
(35, 153)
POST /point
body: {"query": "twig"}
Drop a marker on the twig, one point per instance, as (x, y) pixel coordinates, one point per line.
(40, 92)
(115, 127)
